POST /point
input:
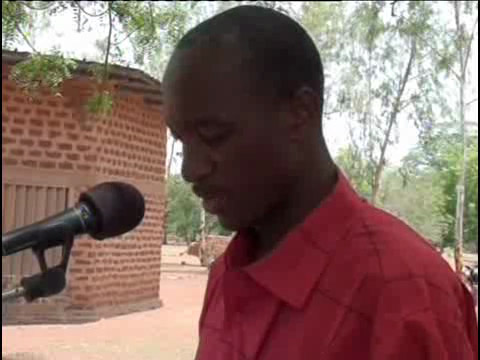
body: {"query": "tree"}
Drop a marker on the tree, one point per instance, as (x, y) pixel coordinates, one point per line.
(452, 51)
(146, 25)
(442, 157)
(420, 203)
(463, 47)
(380, 66)
(183, 217)
(184, 212)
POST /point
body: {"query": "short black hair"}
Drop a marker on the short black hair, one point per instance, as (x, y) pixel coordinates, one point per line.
(282, 53)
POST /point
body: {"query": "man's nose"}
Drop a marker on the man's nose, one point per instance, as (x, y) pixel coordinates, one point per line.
(196, 164)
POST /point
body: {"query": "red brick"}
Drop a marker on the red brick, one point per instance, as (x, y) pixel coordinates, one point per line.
(35, 153)
(90, 158)
(61, 114)
(48, 164)
(65, 166)
(52, 103)
(17, 131)
(10, 87)
(54, 154)
(19, 121)
(29, 163)
(26, 142)
(73, 136)
(45, 143)
(84, 167)
(8, 140)
(64, 146)
(36, 122)
(17, 152)
(37, 101)
(43, 112)
(54, 134)
(83, 147)
(13, 109)
(84, 244)
(9, 161)
(54, 123)
(73, 157)
(75, 270)
(83, 262)
(35, 132)
(77, 253)
(70, 126)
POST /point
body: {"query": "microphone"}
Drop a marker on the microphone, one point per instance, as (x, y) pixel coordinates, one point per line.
(46, 284)
(106, 210)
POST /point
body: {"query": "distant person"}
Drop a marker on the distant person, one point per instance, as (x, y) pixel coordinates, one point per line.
(314, 272)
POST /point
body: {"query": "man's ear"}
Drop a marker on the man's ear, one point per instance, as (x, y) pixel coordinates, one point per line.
(304, 113)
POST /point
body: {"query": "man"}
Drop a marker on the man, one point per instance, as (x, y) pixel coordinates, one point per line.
(314, 272)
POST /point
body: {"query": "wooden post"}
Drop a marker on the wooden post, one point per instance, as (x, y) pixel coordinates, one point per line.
(203, 239)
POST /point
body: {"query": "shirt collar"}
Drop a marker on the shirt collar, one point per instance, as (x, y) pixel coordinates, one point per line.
(293, 269)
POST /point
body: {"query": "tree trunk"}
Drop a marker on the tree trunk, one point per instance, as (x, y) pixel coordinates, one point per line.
(167, 175)
(464, 56)
(380, 166)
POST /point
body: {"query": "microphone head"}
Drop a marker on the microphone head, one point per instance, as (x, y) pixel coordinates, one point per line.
(117, 207)
(42, 285)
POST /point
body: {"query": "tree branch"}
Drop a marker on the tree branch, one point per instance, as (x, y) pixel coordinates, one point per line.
(25, 38)
(27, 5)
(92, 15)
(471, 102)
(126, 37)
(393, 117)
(109, 40)
(469, 47)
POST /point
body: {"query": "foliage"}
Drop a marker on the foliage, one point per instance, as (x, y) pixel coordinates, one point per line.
(144, 23)
(355, 166)
(100, 103)
(185, 214)
(14, 15)
(420, 203)
(442, 156)
(43, 72)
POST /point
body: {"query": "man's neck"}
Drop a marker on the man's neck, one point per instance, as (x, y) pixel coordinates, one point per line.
(306, 196)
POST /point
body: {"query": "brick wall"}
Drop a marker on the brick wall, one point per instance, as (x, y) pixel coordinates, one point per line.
(54, 135)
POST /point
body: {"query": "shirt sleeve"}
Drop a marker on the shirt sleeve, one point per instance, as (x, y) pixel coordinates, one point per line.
(427, 335)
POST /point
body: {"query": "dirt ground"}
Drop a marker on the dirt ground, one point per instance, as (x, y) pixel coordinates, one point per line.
(169, 333)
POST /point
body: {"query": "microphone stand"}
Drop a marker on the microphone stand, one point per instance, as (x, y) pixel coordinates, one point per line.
(13, 294)
(36, 285)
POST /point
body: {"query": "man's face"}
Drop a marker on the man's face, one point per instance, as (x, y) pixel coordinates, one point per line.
(236, 145)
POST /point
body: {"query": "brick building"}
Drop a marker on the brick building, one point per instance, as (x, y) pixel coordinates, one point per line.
(52, 149)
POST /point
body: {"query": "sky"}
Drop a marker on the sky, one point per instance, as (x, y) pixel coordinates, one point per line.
(63, 36)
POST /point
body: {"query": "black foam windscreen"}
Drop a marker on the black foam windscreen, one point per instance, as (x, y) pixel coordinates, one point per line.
(118, 208)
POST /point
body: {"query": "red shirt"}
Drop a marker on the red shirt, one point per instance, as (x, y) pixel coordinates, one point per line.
(351, 282)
